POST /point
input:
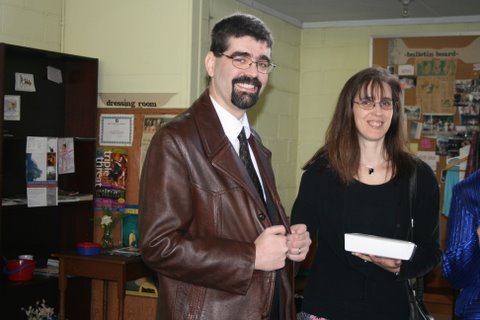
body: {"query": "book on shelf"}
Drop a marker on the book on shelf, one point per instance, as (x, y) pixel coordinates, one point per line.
(142, 287)
(14, 201)
(75, 197)
(125, 251)
(130, 226)
(51, 269)
(62, 198)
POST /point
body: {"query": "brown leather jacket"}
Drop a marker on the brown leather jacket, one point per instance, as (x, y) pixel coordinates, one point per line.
(199, 217)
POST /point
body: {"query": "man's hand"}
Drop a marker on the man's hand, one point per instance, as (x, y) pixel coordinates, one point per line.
(298, 242)
(271, 249)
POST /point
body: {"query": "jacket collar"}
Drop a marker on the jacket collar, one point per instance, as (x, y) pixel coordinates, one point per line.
(220, 151)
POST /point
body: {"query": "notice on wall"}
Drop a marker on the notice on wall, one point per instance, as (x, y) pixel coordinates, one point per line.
(66, 157)
(435, 94)
(41, 167)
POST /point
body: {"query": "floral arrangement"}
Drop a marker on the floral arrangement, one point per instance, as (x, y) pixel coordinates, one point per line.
(108, 222)
(40, 312)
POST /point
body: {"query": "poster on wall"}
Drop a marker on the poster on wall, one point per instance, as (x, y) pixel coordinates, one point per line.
(150, 125)
(111, 166)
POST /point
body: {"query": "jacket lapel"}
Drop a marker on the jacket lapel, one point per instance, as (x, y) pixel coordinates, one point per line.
(219, 149)
(264, 158)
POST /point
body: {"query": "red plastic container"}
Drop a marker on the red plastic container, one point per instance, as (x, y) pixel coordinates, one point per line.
(20, 270)
(88, 248)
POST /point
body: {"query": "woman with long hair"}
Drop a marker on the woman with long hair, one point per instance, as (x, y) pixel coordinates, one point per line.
(358, 182)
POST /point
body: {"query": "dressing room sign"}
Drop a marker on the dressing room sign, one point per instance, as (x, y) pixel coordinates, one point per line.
(133, 100)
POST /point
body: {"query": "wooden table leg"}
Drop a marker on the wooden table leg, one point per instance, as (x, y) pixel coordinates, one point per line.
(62, 286)
(121, 298)
(105, 299)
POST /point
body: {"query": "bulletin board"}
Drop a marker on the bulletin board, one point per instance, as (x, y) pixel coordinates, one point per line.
(124, 135)
(441, 80)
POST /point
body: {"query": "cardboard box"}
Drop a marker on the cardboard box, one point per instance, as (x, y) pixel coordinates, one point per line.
(379, 246)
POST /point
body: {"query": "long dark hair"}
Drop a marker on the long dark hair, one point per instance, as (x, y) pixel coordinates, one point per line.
(342, 149)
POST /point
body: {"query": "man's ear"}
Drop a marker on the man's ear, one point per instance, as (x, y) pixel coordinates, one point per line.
(210, 63)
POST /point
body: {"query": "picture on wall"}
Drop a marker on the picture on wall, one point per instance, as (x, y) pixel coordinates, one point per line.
(412, 112)
(408, 82)
(11, 109)
(435, 124)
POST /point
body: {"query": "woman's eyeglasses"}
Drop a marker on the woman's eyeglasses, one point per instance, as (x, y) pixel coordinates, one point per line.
(369, 104)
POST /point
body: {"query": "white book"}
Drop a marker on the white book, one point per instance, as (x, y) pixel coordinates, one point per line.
(379, 246)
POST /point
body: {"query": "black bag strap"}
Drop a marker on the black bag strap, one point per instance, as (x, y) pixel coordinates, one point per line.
(411, 198)
(416, 284)
(418, 281)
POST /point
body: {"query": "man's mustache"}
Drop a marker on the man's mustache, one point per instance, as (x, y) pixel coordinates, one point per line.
(247, 80)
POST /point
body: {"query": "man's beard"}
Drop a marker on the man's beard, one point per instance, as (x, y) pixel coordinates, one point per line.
(245, 100)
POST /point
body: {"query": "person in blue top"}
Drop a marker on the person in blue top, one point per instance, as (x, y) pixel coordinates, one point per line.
(461, 260)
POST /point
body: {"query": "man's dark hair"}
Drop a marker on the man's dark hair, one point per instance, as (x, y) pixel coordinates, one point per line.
(238, 25)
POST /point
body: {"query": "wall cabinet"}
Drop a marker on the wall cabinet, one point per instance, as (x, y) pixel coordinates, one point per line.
(54, 109)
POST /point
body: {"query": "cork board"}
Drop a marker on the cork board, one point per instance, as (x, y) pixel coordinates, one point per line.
(135, 150)
(439, 61)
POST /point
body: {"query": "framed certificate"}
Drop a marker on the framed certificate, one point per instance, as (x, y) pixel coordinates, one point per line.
(116, 129)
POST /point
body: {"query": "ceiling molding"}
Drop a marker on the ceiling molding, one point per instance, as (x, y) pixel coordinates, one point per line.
(272, 12)
(390, 22)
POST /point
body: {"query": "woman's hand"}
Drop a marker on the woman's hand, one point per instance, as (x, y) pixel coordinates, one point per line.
(391, 265)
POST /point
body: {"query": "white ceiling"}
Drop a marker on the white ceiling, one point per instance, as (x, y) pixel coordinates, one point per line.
(324, 13)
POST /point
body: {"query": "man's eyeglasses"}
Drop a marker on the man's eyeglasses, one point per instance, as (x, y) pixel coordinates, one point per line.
(369, 104)
(242, 62)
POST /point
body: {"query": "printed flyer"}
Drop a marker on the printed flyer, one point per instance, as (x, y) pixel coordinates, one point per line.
(41, 171)
(110, 178)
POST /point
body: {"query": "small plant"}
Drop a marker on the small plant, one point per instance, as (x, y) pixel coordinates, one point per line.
(108, 222)
(40, 312)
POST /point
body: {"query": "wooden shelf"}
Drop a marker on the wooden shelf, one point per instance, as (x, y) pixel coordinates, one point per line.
(66, 109)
